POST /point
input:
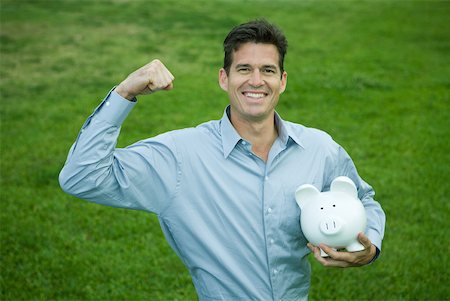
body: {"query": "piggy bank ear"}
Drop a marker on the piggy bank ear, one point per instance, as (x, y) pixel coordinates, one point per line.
(344, 184)
(304, 194)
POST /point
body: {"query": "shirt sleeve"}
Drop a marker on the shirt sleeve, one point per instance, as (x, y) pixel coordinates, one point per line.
(142, 176)
(376, 218)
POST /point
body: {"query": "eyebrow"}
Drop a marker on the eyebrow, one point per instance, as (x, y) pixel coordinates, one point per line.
(270, 67)
(242, 65)
(262, 67)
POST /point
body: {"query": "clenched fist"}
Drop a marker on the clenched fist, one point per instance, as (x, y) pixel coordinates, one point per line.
(148, 79)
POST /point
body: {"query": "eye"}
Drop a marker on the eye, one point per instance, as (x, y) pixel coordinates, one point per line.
(334, 205)
(243, 69)
(321, 208)
(269, 70)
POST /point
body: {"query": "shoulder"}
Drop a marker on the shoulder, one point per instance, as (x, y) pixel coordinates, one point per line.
(310, 137)
(185, 136)
(190, 138)
(202, 131)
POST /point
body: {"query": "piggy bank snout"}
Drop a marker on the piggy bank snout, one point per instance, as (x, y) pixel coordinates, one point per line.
(330, 225)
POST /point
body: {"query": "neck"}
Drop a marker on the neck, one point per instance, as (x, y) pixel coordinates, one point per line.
(261, 134)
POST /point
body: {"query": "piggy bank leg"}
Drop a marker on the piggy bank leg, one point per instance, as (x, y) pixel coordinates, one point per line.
(323, 254)
(355, 247)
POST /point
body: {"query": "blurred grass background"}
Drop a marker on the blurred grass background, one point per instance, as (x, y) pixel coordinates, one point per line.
(373, 74)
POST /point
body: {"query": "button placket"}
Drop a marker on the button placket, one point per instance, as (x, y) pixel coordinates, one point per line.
(270, 222)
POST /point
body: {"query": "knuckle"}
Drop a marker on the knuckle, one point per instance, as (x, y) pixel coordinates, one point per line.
(354, 261)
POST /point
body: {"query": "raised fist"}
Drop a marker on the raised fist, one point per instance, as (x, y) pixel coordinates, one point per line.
(146, 80)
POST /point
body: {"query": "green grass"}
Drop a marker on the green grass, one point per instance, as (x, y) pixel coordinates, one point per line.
(373, 74)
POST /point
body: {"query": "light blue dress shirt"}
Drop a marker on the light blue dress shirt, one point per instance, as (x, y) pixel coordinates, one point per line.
(231, 217)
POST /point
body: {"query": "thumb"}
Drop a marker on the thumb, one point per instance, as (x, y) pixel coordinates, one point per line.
(364, 240)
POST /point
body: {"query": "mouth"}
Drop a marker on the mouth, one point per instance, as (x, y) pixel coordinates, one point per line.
(254, 95)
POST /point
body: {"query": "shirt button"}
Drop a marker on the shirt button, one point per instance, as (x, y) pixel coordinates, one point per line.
(107, 103)
(275, 271)
(272, 241)
(269, 210)
(267, 178)
(243, 142)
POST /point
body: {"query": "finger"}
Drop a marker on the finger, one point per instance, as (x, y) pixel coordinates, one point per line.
(315, 250)
(330, 251)
(340, 259)
(169, 87)
(170, 75)
(323, 261)
(318, 255)
(166, 78)
(163, 83)
(336, 255)
(364, 240)
(327, 261)
(164, 71)
(330, 262)
(159, 77)
(160, 81)
(169, 80)
(310, 246)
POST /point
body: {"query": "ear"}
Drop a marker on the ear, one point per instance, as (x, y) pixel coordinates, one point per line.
(223, 79)
(346, 185)
(283, 82)
(304, 194)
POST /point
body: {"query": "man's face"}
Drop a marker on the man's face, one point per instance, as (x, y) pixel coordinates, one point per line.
(254, 82)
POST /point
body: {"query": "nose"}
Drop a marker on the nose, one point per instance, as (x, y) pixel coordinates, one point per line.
(330, 225)
(256, 79)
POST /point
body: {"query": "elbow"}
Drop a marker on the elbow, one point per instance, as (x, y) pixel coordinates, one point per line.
(65, 181)
(73, 181)
(81, 181)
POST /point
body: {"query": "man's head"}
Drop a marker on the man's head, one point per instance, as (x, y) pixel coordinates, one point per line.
(257, 31)
(253, 73)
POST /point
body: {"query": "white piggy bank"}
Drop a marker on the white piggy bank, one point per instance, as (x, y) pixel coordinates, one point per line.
(334, 217)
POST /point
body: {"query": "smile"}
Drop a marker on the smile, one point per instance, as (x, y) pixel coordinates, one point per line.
(255, 95)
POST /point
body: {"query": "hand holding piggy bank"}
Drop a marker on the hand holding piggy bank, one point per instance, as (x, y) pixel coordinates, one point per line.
(334, 217)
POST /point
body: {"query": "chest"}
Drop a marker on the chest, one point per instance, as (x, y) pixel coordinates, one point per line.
(243, 194)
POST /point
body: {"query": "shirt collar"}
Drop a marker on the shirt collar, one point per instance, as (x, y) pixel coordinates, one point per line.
(230, 137)
(285, 131)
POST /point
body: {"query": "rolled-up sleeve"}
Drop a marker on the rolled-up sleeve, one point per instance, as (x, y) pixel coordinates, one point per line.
(142, 176)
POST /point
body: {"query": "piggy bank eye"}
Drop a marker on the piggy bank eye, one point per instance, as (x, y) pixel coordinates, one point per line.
(321, 208)
(334, 205)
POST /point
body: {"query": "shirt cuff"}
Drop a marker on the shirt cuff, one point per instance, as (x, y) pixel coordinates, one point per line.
(376, 255)
(114, 109)
(376, 240)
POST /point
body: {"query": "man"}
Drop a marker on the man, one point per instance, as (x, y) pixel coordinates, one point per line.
(224, 191)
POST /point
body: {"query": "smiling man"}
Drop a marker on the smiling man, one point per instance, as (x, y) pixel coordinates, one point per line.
(224, 190)
(254, 82)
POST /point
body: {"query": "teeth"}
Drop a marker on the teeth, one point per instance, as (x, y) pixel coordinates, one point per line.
(254, 95)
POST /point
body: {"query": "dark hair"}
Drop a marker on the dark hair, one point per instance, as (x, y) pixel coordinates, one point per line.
(256, 31)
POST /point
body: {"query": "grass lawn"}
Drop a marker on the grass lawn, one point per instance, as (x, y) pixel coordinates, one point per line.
(373, 74)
